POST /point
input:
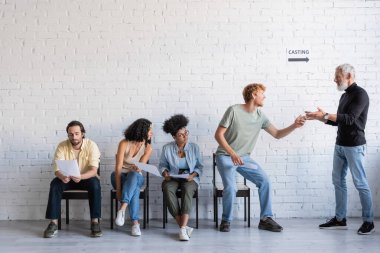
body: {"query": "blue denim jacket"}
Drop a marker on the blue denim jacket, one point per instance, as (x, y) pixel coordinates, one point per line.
(170, 161)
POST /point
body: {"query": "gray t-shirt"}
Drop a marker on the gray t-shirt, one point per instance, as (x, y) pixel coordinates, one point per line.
(243, 129)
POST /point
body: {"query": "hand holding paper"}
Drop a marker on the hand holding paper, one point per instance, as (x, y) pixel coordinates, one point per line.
(185, 176)
(148, 168)
(68, 167)
(76, 179)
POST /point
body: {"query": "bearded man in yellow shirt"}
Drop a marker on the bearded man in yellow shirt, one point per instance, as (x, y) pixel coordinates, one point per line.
(87, 154)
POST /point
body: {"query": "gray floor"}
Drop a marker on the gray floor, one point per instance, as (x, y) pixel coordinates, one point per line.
(299, 235)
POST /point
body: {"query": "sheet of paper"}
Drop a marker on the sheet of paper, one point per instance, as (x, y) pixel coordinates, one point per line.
(148, 168)
(68, 167)
(180, 175)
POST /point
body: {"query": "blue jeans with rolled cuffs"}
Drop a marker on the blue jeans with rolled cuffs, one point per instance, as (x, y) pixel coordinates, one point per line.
(131, 184)
(352, 158)
(252, 172)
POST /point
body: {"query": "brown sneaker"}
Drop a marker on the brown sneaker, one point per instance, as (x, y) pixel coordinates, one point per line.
(95, 229)
(270, 225)
(225, 226)
(51, 230)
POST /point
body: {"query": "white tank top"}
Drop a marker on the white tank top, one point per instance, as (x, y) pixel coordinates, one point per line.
(128, 159)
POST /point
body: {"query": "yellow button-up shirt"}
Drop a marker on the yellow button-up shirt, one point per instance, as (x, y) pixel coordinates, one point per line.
(89, 155)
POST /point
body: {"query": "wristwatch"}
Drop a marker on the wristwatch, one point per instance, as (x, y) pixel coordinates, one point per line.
(326, 116)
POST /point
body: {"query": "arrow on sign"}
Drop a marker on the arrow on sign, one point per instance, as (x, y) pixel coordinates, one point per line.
(298, 59)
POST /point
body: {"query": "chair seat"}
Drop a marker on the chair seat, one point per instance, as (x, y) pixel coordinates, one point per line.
(240, 187)
(75, 191)
(75, 194)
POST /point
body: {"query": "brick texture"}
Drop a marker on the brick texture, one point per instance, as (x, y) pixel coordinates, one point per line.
(109, 62)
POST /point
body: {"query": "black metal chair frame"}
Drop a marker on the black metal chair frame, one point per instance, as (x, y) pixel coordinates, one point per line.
(72, 194)
(144, 195)
(243, 191)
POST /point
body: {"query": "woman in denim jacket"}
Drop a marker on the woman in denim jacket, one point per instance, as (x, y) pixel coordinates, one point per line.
(180, 157)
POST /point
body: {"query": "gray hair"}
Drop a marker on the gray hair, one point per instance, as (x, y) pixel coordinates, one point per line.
(347, 69)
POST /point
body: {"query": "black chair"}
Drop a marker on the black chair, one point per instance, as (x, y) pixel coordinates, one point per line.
(144, 195)
(73, 194)
(165, 208)
(242, 191)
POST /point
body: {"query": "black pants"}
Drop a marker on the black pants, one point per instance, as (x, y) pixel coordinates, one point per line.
(92, 185)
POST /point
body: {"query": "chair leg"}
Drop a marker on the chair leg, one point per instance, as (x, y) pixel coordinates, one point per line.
(116, 205)
(245, 212)
(249, 210)
(216, 212)
(144, 221)
(163, 212)
(196, 211)
(59, 222)
(147, 206)
(67, 211)
(213, 202)
(111, 218)
(166, 213)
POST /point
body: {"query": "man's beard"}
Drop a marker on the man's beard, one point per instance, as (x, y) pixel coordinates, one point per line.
(342, 86)
(75, 142)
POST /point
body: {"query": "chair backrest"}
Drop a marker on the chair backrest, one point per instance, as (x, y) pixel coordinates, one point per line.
(213, 170)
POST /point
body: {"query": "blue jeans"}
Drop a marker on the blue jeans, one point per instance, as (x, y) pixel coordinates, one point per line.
(227, 171)
(92, 185)
(344, 158)
(131, 183)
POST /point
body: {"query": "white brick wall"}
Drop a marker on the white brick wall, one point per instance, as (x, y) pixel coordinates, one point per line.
(107, 63)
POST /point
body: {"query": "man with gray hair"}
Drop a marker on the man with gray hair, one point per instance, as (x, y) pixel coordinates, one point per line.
(350, 146)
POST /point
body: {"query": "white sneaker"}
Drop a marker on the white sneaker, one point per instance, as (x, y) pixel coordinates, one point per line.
(183, 236)
(120, 217)
(189, 231)
(136, 230)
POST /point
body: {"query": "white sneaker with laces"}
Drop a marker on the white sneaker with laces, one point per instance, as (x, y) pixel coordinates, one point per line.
(136, 230)
(189, 231)
(183, 236)
(120, 217)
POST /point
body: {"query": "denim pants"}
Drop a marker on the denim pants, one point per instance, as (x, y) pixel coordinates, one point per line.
(131, 183)
(227, 171)
(353, 158)
(57, 187)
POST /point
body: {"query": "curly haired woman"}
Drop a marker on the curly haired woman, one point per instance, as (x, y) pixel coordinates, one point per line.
(127, 178)
(180, 157)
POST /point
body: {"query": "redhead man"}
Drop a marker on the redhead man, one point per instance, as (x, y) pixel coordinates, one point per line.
(237, 134)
